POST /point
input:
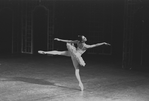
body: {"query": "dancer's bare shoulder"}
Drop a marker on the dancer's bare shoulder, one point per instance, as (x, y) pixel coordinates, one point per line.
(86, 45)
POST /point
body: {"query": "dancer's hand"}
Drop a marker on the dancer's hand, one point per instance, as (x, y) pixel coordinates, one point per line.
(106, 43)
(57, 39)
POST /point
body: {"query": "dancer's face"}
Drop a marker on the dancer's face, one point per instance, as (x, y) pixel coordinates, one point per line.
(84, 39)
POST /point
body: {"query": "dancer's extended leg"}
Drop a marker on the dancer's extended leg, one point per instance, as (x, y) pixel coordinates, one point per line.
(70, 52)
(54, 52)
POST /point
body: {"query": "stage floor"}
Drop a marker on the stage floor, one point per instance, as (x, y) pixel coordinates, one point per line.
(51, 78)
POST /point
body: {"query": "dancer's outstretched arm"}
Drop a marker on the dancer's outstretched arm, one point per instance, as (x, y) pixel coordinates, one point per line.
(67, 41)
(96, 45)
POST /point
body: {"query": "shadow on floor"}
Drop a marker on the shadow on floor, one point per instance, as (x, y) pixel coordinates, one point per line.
(38, 81)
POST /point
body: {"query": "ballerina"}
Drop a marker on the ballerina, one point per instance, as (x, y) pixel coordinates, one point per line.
(75, 53)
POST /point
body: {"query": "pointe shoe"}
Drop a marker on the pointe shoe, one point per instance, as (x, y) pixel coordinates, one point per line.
(81, 86)
(41, 52)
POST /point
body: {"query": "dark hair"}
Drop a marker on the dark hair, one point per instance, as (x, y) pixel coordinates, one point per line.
(80, 37)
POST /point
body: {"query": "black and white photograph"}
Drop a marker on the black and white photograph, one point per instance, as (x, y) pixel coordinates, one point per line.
(74, 50)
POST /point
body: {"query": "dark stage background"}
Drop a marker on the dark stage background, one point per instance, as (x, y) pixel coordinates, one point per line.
(27, 26)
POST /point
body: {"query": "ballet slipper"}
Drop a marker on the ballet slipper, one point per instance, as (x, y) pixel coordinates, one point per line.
(41, 52)
(81, 86)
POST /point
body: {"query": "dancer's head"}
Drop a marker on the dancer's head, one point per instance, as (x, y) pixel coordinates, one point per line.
(82, 38)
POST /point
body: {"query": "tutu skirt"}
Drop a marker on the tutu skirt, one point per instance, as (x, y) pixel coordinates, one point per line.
(74, 54)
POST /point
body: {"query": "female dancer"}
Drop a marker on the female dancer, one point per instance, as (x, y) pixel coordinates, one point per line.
(75, 53)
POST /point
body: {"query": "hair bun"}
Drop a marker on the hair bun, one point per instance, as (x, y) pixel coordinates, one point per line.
(80, 35)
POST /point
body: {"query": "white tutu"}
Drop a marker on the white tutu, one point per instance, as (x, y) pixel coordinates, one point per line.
(74, 54)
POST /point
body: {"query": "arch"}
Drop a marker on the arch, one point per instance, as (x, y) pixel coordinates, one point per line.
(40, 27)
(6, 31)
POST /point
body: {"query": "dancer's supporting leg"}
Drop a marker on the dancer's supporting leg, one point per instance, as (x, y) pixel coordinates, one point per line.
(76, 66)
(72, 50)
